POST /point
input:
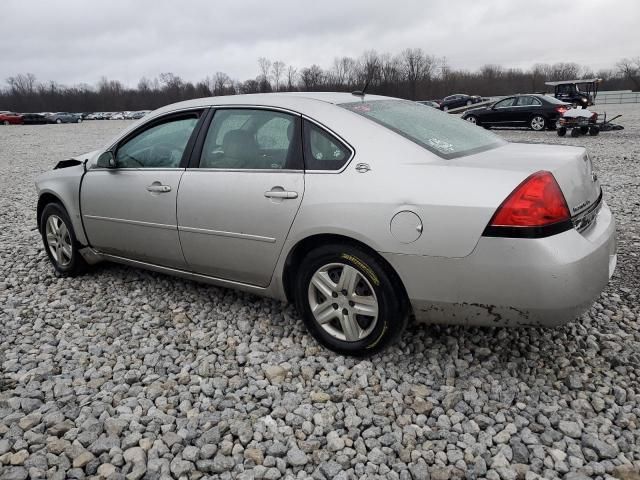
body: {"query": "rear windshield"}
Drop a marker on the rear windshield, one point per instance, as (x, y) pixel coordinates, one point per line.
(444, 134)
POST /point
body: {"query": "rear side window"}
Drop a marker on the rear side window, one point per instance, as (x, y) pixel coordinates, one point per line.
(528, 102)
(323, 151)
(440, 133)
(252, 139)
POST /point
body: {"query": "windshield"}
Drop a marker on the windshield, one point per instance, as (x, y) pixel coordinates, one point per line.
(441, 133)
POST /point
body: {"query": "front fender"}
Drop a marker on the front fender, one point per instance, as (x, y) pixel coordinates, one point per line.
(63, 185)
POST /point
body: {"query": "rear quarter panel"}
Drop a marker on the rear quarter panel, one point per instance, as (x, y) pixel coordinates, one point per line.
(455, 203)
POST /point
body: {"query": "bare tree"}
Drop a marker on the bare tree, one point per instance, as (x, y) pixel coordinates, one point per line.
(416, 66)
(311, 78)
(265, 68)
(292, 73)
(629, 68)
(222, 84)
(277, 70)
(22, 84)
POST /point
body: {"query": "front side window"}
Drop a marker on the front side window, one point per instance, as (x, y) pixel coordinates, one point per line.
(252, 139)
(507, 102)
(322, 150)
(440, 133)
(160, 146)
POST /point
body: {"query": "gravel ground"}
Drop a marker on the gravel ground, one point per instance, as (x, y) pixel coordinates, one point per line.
(124, 373)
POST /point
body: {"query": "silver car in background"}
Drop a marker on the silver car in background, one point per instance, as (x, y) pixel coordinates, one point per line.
(363, 210)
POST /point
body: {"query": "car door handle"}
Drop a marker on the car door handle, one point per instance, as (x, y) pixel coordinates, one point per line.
(156, 188)
(280, 194)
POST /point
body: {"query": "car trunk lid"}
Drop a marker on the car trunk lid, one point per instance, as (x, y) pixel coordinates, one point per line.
(571, 167)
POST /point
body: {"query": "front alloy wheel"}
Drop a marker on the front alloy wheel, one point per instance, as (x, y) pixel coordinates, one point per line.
(349, 300)
(537, 123)
(60, 241)
(471, 119)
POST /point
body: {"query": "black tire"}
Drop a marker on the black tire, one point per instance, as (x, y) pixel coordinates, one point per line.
(392, 315)
(561, 131)
(472, 119)
(76, 264)
(594, 130)
(575, 132)
(584, 130)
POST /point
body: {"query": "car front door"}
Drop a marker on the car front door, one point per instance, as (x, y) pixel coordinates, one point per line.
(130, 210)
(499, 113)
(241, 193)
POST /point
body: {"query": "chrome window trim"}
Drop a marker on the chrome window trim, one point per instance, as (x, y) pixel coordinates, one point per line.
(222, 233)
(352, 150)
(238, 170)
(132, 222)
(137, 169)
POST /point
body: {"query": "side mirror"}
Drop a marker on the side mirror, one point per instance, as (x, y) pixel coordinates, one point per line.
(106, 160)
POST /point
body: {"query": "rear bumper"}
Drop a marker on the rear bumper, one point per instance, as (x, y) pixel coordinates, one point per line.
(513, 281)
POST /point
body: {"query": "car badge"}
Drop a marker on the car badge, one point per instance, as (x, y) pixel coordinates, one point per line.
(363, 167)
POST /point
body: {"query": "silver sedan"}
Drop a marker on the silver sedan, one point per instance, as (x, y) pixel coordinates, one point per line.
(365, 211)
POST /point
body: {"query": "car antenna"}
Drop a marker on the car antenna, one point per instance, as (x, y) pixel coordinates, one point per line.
(361, 93)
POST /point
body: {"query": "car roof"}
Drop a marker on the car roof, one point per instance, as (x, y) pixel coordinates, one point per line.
(298, 101)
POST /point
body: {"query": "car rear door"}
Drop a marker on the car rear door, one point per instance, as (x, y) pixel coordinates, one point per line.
(241, 193)
(130, 210)
(526, 107)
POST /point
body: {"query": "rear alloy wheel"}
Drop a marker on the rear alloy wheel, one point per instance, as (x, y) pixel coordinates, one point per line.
(6, 122)
(469, 102)
(58, 121)
(79, 120)
(537, 123)
(445, 109)
(60, 241)
(348, 300)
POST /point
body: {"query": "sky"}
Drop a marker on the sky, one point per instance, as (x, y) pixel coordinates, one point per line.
(79, 41)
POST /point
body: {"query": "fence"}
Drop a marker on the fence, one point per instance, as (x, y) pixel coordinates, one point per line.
(625, 96)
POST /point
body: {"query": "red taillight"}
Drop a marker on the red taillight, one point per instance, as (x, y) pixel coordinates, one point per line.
(536, 202)
(561, 110)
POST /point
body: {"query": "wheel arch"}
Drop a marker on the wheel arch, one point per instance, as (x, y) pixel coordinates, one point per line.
(305, 245)
(45, 199)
